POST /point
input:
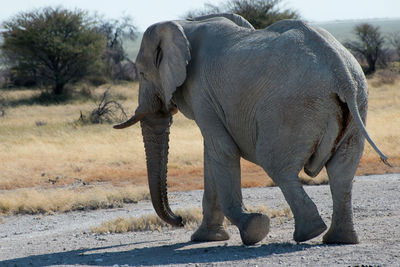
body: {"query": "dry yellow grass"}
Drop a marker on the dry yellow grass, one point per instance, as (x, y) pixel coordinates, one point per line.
(36, 155)
(32, 201)
(191, 219)
(42, 146)
(383, 124)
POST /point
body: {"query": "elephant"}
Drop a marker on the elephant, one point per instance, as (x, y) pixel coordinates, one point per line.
(287, 97)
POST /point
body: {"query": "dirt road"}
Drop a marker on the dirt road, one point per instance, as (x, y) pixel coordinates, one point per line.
(65, 239)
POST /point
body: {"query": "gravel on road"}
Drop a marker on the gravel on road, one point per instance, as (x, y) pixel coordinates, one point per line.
(65, 239)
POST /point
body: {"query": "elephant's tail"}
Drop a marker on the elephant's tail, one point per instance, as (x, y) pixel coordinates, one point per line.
(351, 100)
(345, 76)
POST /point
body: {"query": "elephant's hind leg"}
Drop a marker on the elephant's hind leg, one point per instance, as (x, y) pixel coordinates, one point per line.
(282, 159)
(308, 222)
(341, 169)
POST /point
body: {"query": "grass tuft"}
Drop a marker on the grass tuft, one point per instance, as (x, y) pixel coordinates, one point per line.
(191, 219)
(34, 201)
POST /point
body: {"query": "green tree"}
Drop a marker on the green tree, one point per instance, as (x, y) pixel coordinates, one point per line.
(52, 46)
(368, 46)
(260, 13)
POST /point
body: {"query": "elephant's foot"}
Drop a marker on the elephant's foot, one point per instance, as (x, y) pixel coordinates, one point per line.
(306, 229)
(254, 229)
(208, 234)
(340, 237)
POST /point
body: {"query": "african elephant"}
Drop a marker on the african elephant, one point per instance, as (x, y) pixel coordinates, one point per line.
(286, 97)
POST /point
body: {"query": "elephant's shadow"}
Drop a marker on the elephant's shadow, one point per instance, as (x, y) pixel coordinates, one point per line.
(180, 253)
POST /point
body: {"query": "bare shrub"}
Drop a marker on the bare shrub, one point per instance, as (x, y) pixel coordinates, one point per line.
(107, 110)
(116, 32)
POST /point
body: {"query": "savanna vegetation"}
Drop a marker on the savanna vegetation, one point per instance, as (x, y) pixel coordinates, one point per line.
(47, 148)
(58, 151)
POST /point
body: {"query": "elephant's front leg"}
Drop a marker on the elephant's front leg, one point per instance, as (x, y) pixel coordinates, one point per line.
(211, 228)
(222, 177)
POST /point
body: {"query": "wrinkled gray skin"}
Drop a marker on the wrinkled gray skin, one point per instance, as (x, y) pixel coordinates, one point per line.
(287, 97)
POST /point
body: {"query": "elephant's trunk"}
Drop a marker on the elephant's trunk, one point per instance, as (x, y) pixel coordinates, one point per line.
(156, 147)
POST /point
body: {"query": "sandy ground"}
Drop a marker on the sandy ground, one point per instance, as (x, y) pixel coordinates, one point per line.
(65, 239)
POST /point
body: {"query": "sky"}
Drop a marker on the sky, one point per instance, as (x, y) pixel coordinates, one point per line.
(147, 12)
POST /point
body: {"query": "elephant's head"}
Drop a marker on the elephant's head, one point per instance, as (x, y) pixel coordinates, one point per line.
(161, 65)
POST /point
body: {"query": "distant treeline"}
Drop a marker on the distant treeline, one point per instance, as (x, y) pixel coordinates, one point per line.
(49, 48)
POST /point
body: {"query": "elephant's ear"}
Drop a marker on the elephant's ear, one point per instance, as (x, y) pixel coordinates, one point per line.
(171, 57)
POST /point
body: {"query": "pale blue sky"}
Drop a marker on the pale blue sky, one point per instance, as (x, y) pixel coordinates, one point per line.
(147, 12)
